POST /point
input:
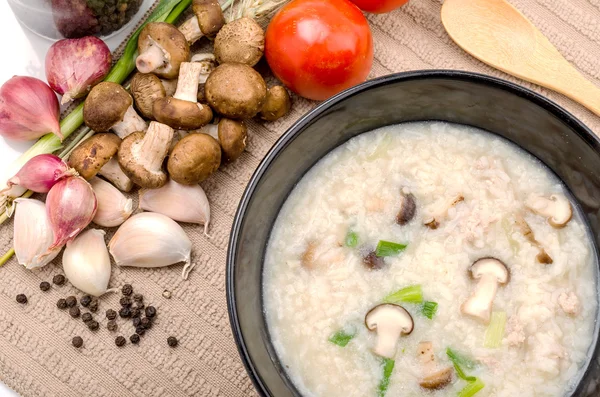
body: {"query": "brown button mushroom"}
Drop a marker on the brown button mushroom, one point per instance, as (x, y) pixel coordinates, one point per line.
(390, 322)
(277, 104)
(408, 208)
(557, 208)
(182, 109)
(231, 135)
(146, 88)
(141, 155)
(241, 41)
(109, 106)
(373, 262)
(236, 91)
(194, 158)
(491, 273)
(434, 378)
(162, 49)
(208, 19)
(439, 210)
(93, 156)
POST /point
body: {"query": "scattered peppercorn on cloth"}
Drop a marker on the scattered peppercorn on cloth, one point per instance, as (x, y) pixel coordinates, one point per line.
(36, 355)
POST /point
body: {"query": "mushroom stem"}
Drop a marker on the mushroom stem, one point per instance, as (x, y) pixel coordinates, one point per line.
(113, 172)
(479, 304)
(131, 123)
(152, 59)
(170, 86)
(153, 149)
(187, 85)
(191, 30)
(210, 129)
(208, 63)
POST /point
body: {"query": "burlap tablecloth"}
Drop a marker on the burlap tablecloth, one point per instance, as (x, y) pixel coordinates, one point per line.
(36, 356)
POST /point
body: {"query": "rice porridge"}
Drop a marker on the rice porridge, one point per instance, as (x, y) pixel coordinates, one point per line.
(430, 259)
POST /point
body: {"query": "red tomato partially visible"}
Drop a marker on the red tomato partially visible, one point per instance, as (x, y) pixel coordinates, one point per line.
(379, 6)
(318, 48)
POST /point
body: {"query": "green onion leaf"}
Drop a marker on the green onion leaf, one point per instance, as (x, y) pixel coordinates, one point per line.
(460, 359)
(411, 294)
(388, 367)
(429, 309)
(472, 388)
(351, 239)
(495, 331)
(341, 338)
(388, 248)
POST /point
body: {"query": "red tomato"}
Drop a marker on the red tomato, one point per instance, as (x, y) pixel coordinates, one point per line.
(318, 48)
(379, 6)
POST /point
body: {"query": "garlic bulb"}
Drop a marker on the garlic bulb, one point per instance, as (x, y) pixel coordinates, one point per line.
(113, 207)
(33, 234)
(86, 262)
(179, 202)
(151, 240)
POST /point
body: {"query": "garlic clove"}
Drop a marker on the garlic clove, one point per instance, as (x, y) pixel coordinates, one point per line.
(113, 207)
(86, 262)
(183, 203)
(151, 240)
(33, 234)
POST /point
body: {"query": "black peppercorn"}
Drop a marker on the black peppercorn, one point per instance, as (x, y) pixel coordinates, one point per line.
(138, 297)
(93, 325)
(150, 311)
(21, 298)
(112, 325)
(146, 323)
(61, 304)
(111, 314)
(93, 305)
(139, 306)
(85, 300)
(44, 286)
(135, 339)
(74, 312)
(125, 312)
(140, 330)
(136, 321)
(135, 312)
(71, 301)
(59, 279)
(172, 341)
(77, 342)
(125, 302)
(86, 317)
(127, 289)
(120, 341)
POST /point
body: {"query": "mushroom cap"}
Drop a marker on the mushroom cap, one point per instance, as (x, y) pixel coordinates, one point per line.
(171, 40)
(93, 153)
(241, 40)
(232, 137)
(235, 90)
(437, 380)
(146, 88)
(277, 104)
(105, 106)
(490, 267)
(389, 313)
(557, 208)
(136, 172)
(210, 16)
(181, 114)
(194, 158)
(408, 208)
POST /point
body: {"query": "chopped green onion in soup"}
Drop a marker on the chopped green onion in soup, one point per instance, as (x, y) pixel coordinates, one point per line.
(495, 331)
(388, 368)
(351, 239)
(472, 388)
(389, 248)
(410, 294)
(429, 309)
(342, 337)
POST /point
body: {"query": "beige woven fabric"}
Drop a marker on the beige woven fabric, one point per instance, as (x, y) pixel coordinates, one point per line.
(36, 356)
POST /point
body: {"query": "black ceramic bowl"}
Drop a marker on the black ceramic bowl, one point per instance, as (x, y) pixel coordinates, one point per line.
(534, 123)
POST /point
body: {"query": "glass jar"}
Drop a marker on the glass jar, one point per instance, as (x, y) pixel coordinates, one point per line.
(57, 19)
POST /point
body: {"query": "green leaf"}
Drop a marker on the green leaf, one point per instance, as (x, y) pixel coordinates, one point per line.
(351, 239)
(410, 294)
(342, 338)
(457, 361)
(429, 309)
(495, 331)
(388, 248)
(388, 368)
(472, 388)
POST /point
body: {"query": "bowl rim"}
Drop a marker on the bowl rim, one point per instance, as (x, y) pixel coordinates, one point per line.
(297, 127)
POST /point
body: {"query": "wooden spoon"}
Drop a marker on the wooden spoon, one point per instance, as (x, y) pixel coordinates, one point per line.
(496, 33)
